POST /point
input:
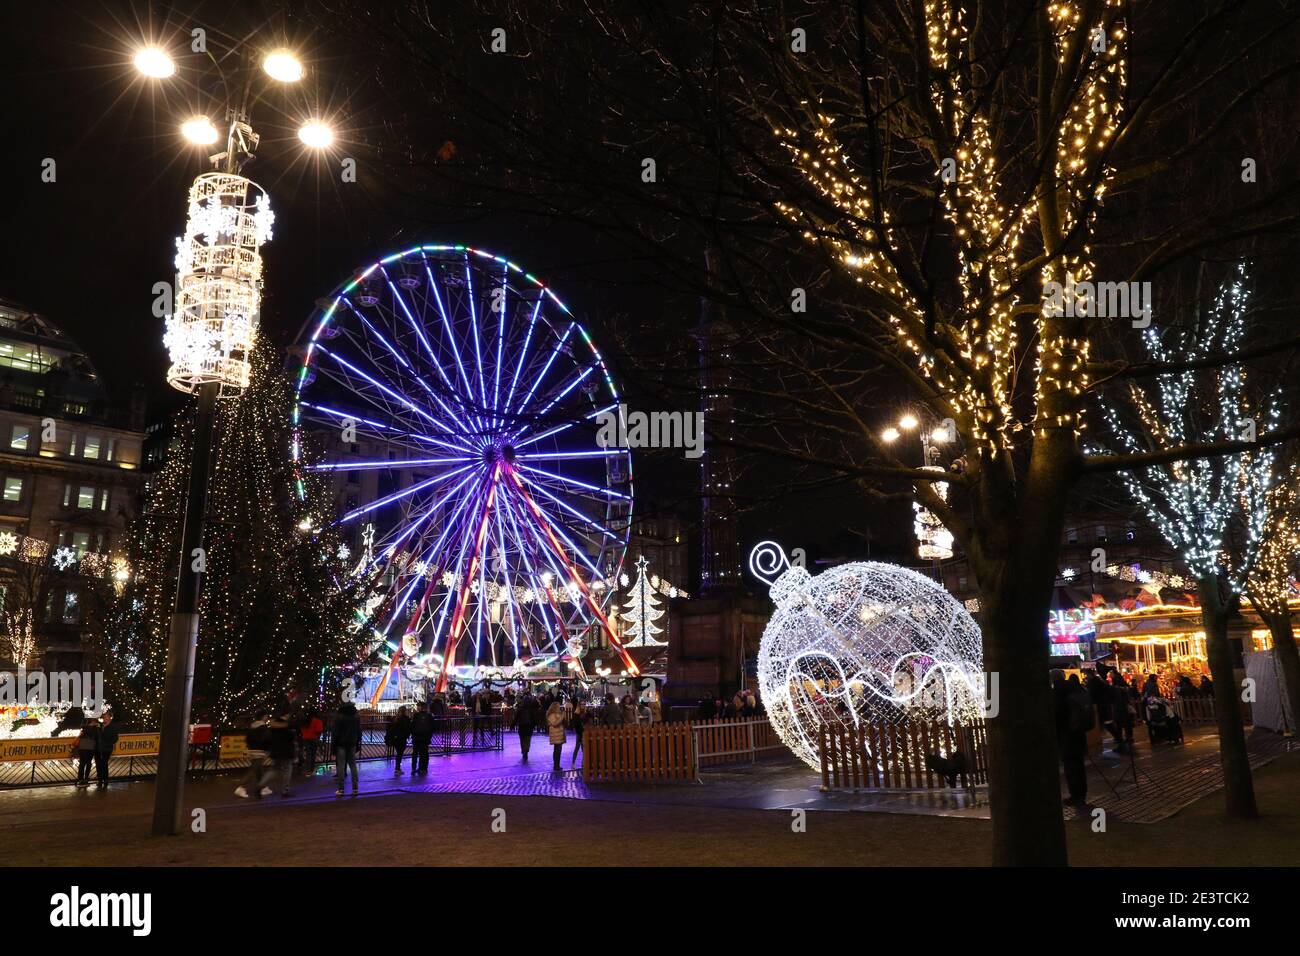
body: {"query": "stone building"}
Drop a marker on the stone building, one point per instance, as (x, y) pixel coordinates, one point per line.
(69, 468)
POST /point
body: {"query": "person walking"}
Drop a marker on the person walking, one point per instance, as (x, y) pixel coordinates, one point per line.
(311, 729)
(399, 732)
(1074, 718)
(578, 722)
(280, 748)
(629, 709)
(611, 715)
(345, 737)
(258, 742)
(87, 746)
(108, 734)
(483, 715)
(421, 734)
(527, 713)
(555, 730)
(1122, 708)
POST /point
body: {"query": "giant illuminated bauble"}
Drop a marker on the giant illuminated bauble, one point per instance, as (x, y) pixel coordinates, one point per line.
(863, 642)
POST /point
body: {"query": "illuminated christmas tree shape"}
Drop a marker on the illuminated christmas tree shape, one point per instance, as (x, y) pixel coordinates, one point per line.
(865, 641)
(641, 612)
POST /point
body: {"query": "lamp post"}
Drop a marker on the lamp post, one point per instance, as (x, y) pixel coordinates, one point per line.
(209, 336)
(934, 541)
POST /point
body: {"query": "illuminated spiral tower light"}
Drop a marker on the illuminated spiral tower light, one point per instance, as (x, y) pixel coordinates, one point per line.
(864, 641)
(218, 283)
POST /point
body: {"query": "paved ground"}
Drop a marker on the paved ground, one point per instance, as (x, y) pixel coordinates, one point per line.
(738, 817)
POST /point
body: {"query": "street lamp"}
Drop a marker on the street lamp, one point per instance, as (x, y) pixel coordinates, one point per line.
(210, 336)
(933, 540)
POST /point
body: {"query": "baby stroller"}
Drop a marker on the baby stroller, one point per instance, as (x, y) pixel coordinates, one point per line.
(1162, 723)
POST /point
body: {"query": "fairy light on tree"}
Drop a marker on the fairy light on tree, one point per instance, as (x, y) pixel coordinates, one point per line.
(1271, 584)
(278, 605)
(1213, 510)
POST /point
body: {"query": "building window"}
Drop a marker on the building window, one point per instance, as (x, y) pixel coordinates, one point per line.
(110, 449)
(13, 489)
(80, 542)
(91, 448)
(71, 608)
(1102, 537)
(86, 497)
(103, 500)
(18, 436)
(72, 446)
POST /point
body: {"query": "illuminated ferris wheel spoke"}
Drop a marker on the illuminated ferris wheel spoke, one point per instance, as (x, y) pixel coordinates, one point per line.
(475, 566)
(556, 351)
(607, 492)
(571, 510)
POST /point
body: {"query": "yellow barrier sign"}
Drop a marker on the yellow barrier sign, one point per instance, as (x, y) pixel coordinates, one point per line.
(234, 747)
(65, 748)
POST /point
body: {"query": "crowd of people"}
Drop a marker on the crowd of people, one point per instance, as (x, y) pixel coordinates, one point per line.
(743, 705)
(1107, 699)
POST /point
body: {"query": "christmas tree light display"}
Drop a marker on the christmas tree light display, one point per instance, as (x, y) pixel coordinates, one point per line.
(277, 603)
(1195, 503)
(641, 612)
(864, 641)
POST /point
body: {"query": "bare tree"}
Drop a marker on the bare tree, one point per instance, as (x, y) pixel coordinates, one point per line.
(937, 181)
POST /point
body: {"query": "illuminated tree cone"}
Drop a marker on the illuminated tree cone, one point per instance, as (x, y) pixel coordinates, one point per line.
(476, 393)
(641, 612)
(862, 642)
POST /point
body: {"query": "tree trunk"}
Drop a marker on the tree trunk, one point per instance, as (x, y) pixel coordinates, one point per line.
(1238, 787)
(1284, 646)
(1024, 771)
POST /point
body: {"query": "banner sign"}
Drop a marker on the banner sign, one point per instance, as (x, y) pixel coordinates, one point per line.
(65, 748)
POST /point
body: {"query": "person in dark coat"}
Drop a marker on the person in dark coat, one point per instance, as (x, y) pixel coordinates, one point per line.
(528, 713)
(421, 734)
(257, 740)
(1122, 699)
(108, 734)
(345, 738)
(706, 710)
(283, 744)
(1071, 702)
(438, 709)
(399, 732)
(578, 721)
(87, 747)
(1207, 686)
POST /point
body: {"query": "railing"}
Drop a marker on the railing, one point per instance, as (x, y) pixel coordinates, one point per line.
(894, 756)
(672, 751)
(451, 735)
(1194, 710)
(727, 741)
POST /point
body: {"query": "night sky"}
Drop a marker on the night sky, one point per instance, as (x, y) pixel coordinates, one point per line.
(87, 249)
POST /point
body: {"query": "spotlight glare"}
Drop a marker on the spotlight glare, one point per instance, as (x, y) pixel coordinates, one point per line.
(200, 131)
(316, 135)
(282, 65)
(154, 62)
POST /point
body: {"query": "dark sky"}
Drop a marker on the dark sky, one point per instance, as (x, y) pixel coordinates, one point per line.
(87, 249)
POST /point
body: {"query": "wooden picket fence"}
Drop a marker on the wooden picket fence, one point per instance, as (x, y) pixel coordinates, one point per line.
(892, 756)
(636, 752)
(673, 751)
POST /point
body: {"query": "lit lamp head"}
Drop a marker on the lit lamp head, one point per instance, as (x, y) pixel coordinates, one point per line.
(908, 422)
(890, 434)
(200, 131)
(939, 435)
(154, 62)
(316, 134)
(283, 66)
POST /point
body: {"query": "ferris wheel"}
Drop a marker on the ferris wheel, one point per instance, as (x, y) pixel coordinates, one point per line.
(498, 525)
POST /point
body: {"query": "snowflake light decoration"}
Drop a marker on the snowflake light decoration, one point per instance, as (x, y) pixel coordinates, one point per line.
(8, 543)
(64, 558)
(864, 641)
